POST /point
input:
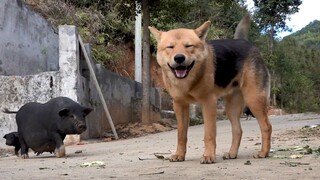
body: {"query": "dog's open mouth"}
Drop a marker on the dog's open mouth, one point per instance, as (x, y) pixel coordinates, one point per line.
(181, 71)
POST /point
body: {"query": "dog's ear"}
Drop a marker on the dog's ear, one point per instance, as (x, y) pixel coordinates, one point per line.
(156, 33)
(202, 31)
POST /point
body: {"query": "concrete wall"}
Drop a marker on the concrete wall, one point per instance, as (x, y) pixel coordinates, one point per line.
(123, 97)
(18, 90)
(28, 43)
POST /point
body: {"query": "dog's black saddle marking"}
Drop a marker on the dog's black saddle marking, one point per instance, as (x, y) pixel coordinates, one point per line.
(230, 55)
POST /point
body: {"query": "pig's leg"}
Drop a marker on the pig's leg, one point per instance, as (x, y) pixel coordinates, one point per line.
(60, 150)
(16, 150)
(24, 148)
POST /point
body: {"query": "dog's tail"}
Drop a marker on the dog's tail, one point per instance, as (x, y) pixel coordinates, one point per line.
(7, 111)
(243, 28)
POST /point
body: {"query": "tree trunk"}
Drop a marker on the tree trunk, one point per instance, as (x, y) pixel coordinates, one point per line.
(271, 49)
(146, 64)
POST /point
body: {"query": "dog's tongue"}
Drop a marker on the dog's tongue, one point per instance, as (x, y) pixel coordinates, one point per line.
(181, 73)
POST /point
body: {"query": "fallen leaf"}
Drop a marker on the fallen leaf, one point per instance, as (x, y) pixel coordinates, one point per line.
(78, 151)
(159, 156)
(295, 156)
(280, 156)
(294, 164)
(161, 172)
(143, 159)
(42, 168)
(93, 164)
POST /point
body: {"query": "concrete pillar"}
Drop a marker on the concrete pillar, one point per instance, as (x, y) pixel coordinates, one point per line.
(193, 110)
(137, 43)
(68, 61)
(69, 68)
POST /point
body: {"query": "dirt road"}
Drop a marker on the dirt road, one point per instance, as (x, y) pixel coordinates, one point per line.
(135, 159)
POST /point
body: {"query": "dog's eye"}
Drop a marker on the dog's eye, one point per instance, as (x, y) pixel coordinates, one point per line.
(170, 47)
(188, 45)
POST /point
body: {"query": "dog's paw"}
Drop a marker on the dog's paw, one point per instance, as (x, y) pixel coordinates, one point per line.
(207, 159)
(60, 152)
(261, 154)
(229, 156)
(24, 156)
(176, 158)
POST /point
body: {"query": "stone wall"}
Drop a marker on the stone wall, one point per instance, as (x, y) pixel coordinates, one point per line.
(28, 43)
(18, 90)
(123, 97)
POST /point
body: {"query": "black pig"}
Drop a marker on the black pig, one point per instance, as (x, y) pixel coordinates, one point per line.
(248, 113)
(12, 139)
(43, 127)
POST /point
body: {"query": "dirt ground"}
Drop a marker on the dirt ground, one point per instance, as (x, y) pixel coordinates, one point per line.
(295, 155)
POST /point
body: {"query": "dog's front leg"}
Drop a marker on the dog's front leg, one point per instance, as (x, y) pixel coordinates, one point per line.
(182, 115)
(209, 112)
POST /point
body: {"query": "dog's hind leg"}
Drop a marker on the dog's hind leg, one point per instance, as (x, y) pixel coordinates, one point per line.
(257, 102)
(234, 105)
(182, 115)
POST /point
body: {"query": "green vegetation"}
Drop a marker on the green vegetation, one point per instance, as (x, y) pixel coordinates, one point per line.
(309, 36)
(297, 68)
(103, 24)
(293, 62)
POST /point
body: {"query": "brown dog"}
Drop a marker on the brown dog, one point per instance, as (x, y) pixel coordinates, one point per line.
(196, 70)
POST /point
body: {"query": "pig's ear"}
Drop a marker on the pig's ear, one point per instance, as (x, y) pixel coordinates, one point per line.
(16, 134)
(64, 112)
(87, 110)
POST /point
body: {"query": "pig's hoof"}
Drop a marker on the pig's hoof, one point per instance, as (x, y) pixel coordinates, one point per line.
(24, 156)
(60, 152)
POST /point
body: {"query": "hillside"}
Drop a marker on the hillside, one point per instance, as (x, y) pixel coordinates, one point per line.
(309, 36)
(297, 64)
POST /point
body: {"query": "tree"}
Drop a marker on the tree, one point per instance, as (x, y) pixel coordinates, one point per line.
(224, 15)
(146, 118)
(271, 15)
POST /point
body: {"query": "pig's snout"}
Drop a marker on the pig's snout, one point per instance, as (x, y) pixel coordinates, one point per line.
(9, 143)
(82, 127)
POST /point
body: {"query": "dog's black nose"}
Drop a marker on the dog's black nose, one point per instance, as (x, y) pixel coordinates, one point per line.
(179, 58)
